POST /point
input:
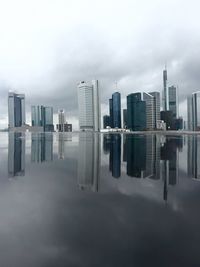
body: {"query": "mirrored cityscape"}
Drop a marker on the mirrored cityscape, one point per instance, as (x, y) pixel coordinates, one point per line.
(154, 157)
(70, 196)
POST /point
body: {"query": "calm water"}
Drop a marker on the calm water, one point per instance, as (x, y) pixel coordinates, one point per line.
(99, 200)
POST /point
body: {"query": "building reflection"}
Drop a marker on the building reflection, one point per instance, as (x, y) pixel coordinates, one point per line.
(193, 157)
(170, 162)
(89, 159)
(135, 156)
(41, 147)
(16, 154)
(115, 155)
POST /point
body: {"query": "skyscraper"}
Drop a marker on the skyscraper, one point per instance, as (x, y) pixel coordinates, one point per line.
(16, 110)
(136, 112)
(165, 91)
(156, 96)
(190, 114)
(111, 112)
(150, 111)
(61, 120)
(106, 121)
(42, 116)
(116, 102)
(172, 93)
(89, 106)
(194, 111)
(124, 118)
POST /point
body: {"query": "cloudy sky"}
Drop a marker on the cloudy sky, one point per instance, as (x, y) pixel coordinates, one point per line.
(47, 46)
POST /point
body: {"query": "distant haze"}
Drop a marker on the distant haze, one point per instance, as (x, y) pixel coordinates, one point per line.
(47, 46)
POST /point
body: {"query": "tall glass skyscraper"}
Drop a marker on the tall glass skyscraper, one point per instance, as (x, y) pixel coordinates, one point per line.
(89, 106)
(42, 116)
(16, 110)
(172, 92)
(116, 102)
(165, 92)
(136, 112)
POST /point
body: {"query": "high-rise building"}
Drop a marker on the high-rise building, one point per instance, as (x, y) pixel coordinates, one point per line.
(61, 116)
(16, 110)
(194, 111)
(190, 123)
(111, 112)
(42, 116)
(136, 112)
(150, 111)
(165, 92)
(116, 101)
(16, 154)
(106, 121)
(89, 106)
(167, 117)
(172, 94)
(156, 96)
(124, 118)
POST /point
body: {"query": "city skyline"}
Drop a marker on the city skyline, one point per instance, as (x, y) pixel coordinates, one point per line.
(59, 46)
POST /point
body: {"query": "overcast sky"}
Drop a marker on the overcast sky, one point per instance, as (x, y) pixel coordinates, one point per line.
(47, 46)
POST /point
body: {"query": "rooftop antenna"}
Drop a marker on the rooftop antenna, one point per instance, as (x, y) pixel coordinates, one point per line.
(116, 85)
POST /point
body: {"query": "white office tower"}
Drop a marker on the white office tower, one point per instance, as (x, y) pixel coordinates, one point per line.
(150, 111)
(156, 96)
(89, 106)
(89, 161)
(16, 110)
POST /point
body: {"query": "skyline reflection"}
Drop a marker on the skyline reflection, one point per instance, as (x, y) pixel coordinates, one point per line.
(137, 156)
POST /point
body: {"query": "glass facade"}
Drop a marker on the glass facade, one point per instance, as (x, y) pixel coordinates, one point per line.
(16, 110)
(116, 101)
(173, 100)
(42, 116)
(136, 112)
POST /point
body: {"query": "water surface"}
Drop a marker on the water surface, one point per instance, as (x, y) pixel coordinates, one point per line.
(99, 200)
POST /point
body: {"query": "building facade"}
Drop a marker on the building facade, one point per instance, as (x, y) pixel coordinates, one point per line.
(136, 112)
(16, 110)
(172, 91)
(116, 101)
(156, 96)
(106, 121)
(42, 116)
(165, 97)
(194, 111)
(89, 106)
(150, 111)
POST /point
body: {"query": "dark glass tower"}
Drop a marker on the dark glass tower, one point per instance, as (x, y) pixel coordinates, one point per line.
(111, 112)
(136, 112)
(116, 102)
(106, 121)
